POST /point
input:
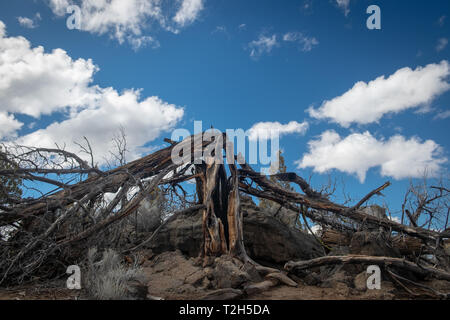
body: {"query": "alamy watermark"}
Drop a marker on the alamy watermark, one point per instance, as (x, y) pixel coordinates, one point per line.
(258, 147)
(374, 20)
(74, 281)
(374, 280)
(74, 20)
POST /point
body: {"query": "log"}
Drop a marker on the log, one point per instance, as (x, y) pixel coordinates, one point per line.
(282, 278)
(271, 189)
(109, 181)
(223, 294)
(261, 286)
(360, 259)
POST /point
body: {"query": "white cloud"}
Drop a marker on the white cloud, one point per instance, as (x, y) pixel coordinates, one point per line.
(344, 5)
(397, 157)
(59, 6)
(442, 44)
(263, 130)
(264, 44)
(8, 125)
(316, 229)
(369, 102)
(27, 22)
(443, 115)
(394, 218)
(129, 20)
(441, 20)
(307, 43)
(188, 12)
(142, 121)
(34, 83)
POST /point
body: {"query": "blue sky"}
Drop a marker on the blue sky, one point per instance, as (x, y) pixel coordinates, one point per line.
(236, 64)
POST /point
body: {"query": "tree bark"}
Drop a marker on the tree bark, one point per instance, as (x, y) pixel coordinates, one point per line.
(360, 259)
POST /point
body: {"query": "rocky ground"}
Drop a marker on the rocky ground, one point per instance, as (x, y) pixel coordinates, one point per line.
(173, 276)
(172, 271)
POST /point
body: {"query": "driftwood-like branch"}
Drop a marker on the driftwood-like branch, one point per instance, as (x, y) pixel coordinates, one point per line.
(360, 259)
(397, 279)
(293, 177)
(127, 210)
(371, 194)
(109, 181)
(326, 205)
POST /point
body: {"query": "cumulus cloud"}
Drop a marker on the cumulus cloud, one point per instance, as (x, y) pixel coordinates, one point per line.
(142, 121)
(369, 102)
(8, 125)
(129, 20)
(442, 44)
(34, 82)
(441, 20)
(443, 115)
(264, 130)
(397, 157)
(264, 44)
(59, 6)
(188, 12)
(29, 23)
(37, 83)
(344, 5)
(394, 218)
(306, 43)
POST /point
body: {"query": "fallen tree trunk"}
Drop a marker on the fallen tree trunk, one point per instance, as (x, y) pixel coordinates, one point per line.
(360, 259)
(272, 190)
(218, 197)
(103, 182)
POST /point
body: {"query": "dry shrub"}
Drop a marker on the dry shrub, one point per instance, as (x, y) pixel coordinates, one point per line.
(107, 278)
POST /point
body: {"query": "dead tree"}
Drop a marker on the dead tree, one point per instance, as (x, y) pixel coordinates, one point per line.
(35, 237)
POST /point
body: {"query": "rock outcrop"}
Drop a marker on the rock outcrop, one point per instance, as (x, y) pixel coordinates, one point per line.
(266, 238)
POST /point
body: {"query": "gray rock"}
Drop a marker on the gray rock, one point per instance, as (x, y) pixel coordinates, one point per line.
(266, 238)
(228, 275)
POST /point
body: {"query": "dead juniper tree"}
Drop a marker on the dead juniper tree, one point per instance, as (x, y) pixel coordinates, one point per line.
(55, 228)
(426, 205)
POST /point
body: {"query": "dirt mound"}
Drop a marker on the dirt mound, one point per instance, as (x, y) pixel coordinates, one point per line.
(171, 275)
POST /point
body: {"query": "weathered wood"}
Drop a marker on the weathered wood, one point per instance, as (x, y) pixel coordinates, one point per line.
(261, 286)
(360, 259)
(235, 218)
(127, 210)
(213, 230)
(109, 181)
(282, 278)
(371, 194)
(326, 205)
(223, 294)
